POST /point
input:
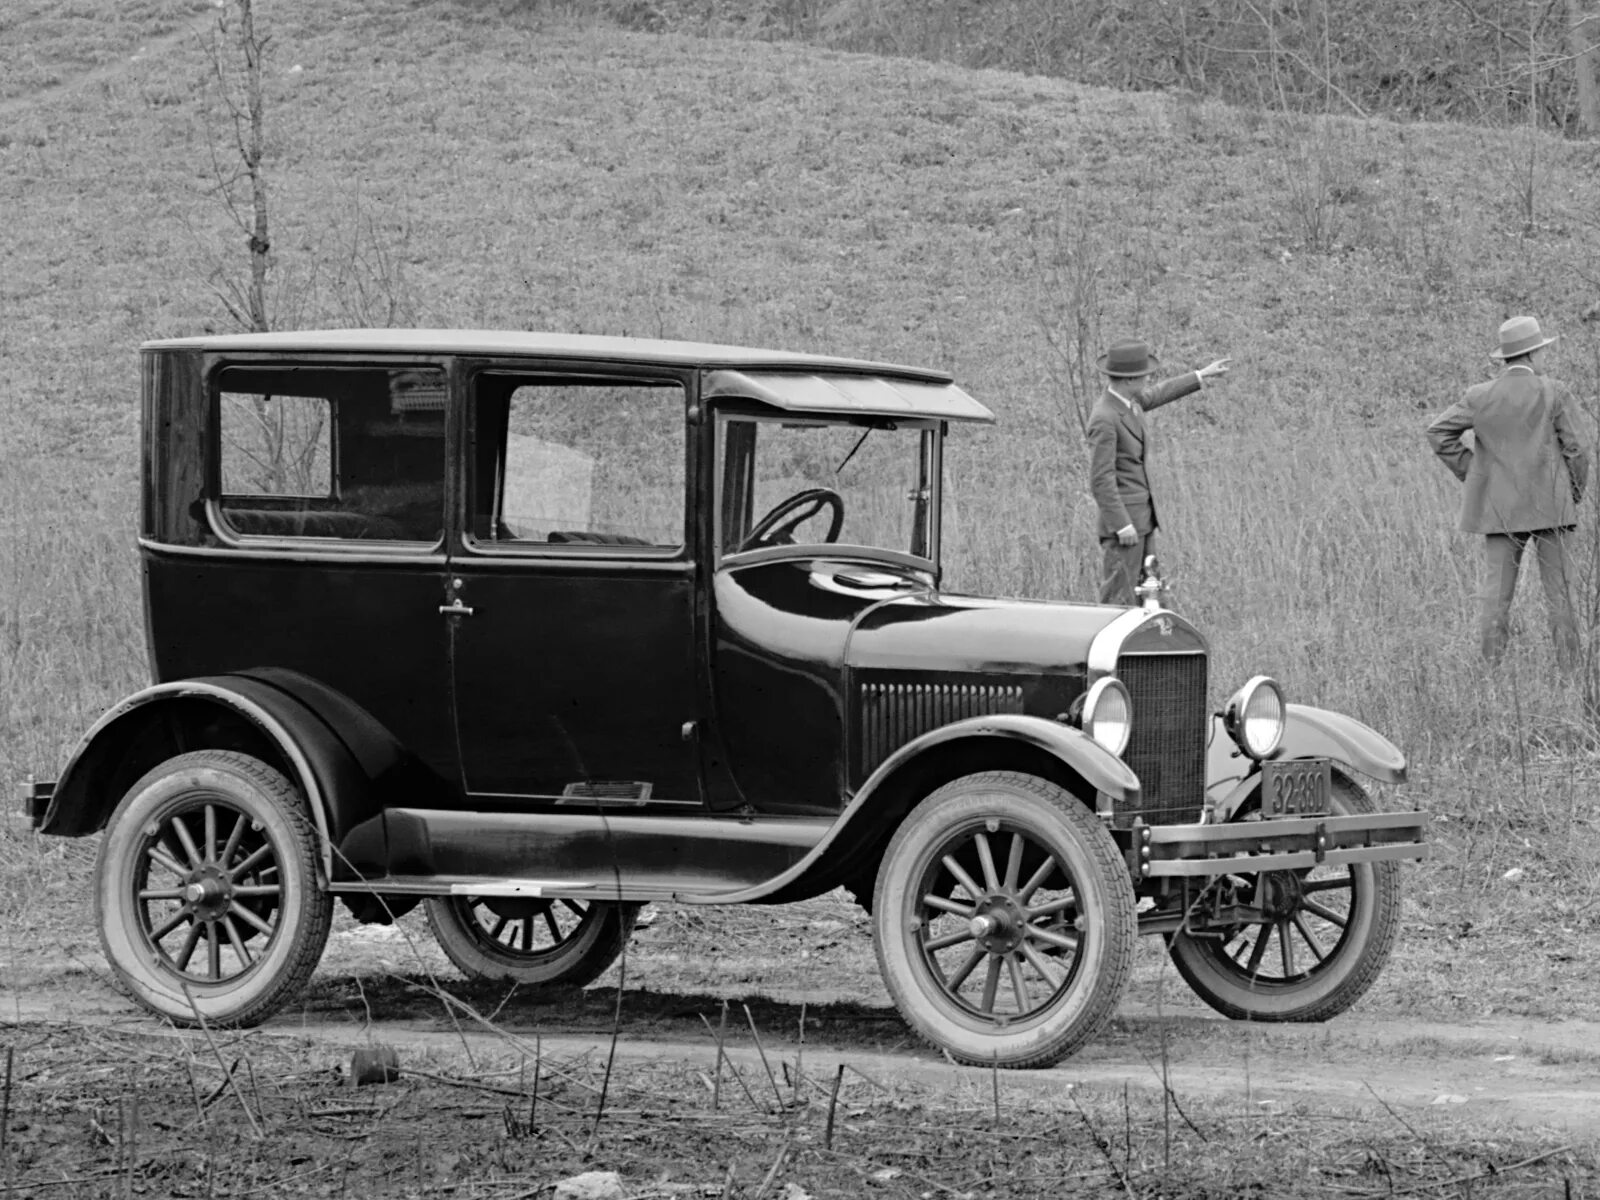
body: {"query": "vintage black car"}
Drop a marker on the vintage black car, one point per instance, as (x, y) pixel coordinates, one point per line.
(540, 628)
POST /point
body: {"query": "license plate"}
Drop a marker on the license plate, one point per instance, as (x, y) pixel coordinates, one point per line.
(1296, 787)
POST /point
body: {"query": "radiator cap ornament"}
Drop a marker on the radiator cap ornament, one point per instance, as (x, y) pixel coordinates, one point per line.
(1151, 590)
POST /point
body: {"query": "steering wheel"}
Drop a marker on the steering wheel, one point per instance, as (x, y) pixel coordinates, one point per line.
(778, 526)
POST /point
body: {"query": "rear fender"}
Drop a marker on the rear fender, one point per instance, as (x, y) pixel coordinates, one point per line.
(1013, 741)
(1231, 776)
(346, 765)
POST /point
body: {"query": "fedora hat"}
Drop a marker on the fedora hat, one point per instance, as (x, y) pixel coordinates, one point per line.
(1128, 359)
(1519, 335)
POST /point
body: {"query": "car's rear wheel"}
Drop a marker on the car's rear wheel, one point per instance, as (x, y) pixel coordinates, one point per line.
(538, 941)
(206, 893)
(1326, 935)
(1004, 920)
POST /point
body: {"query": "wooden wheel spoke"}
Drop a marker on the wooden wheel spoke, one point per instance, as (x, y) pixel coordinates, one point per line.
(556, 936)
(160, 893)
(171, 923)
(1014, 862)
(1036, 880)
(235, 836)
(210, 825)
(165, 861)
(171, 848)
(1310, 936)
(1019, 984)
(258, 889)
(950, 906)
(1336, 883)
(499, 927)
(991, 984)
(1285, 948)
(1259, 950)
(960, 874)
(945, 941)
(1061, 941)
(249, 918)
(180, 830)
(244, 866)
(527, 935)
(1040, 964)
(576, 909)
(213, 951)
(1327, 914)
(955, 981)
(236, 942)
(991, 877)
(186, 951)
(1051, 907)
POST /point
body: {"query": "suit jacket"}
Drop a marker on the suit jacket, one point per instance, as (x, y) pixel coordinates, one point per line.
(1116, 435)
(1527, 466)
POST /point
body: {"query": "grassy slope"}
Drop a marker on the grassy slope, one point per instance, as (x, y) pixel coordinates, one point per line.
(521, 173)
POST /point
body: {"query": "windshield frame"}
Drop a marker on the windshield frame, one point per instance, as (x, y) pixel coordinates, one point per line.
(929, 453)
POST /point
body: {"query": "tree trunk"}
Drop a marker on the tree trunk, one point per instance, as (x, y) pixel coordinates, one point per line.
(260, 243)
(1584, 35)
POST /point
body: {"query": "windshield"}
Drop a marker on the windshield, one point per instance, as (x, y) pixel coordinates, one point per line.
(789, 482)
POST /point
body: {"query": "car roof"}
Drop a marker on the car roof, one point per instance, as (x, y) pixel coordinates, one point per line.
(594, 347)
(790, 380)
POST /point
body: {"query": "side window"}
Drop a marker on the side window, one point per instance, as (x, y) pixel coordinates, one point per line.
(580, 463)
(332, 453)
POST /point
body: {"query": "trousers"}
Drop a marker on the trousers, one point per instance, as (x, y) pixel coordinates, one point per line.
(1122, 568)
(1502, 559)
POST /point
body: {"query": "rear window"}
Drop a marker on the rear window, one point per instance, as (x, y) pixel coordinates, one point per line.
(346, 453)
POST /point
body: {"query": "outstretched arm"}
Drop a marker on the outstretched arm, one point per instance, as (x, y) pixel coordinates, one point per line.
(1179, 386)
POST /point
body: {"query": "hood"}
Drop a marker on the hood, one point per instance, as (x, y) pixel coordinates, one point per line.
(971, 634)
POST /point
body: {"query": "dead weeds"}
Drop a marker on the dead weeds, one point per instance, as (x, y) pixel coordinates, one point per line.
(91, 1112)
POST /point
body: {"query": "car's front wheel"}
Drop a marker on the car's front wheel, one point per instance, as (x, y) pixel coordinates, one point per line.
(538, 941)
(206, 893)
(1324, 935)
(1005, 922)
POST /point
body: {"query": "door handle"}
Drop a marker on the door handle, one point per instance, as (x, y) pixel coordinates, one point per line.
(455, 609)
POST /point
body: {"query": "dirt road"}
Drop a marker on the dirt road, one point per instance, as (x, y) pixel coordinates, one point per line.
(380, 984)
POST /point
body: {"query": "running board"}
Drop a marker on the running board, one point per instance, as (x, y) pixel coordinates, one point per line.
(616, 855)
(634, 891)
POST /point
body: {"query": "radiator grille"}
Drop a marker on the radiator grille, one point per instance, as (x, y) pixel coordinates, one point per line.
(1168, 749)
(894, 713)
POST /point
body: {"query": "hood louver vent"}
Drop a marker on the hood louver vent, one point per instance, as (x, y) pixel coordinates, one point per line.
(894, 713)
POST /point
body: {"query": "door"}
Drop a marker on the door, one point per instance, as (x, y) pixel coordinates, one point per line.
(326, 554)
(573, 634)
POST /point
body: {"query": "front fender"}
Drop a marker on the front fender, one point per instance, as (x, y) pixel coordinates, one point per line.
(862, 822)
(1098, 767)
(1308, 733)
(343, 761)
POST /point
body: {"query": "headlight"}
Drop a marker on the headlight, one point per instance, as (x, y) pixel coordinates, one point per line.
(1254, 716)
(1105, 713)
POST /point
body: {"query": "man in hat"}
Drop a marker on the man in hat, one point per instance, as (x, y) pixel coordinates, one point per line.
(1524, 473)
(1117, 478)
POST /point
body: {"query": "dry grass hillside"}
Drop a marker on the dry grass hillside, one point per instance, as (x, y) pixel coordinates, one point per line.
(454, 163)
(458, 164)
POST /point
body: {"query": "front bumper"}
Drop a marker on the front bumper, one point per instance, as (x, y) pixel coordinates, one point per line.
(1283, 844)
(36, 799)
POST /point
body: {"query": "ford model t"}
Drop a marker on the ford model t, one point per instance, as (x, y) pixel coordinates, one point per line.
(536, 629)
